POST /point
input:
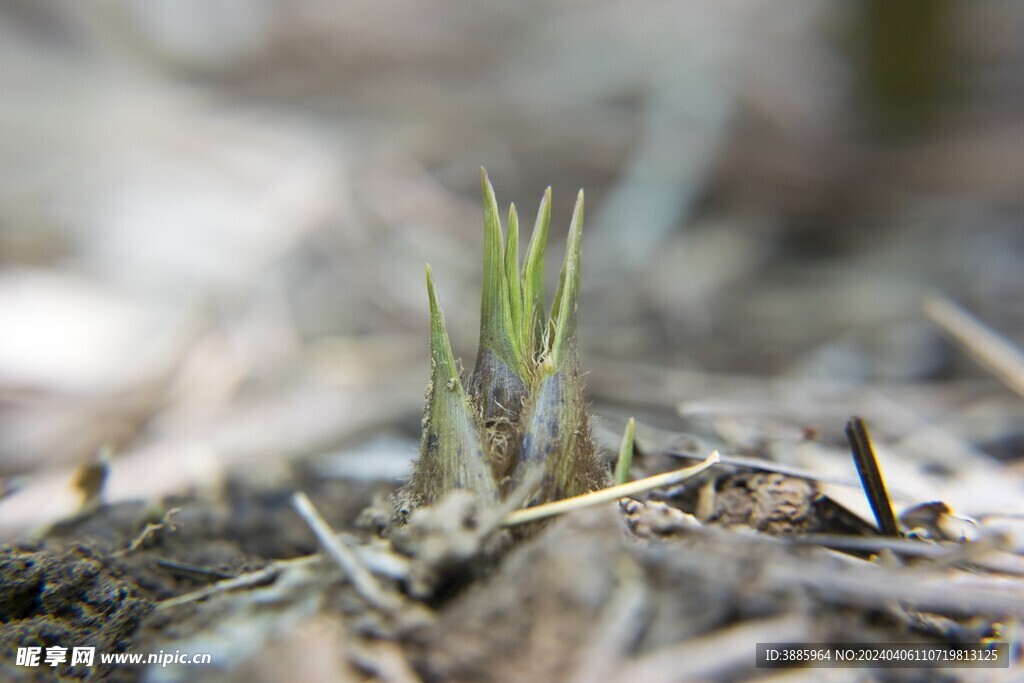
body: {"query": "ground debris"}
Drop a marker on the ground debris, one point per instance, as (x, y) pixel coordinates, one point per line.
(768, 502)
(654, 518)
(528, 620)
(449, 543)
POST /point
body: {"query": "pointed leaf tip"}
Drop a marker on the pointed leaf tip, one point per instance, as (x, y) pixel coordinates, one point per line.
(431, 294)
(440, 345)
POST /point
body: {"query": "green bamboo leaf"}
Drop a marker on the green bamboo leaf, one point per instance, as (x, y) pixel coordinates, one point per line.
(451, 451)
(515, 294)
(563, 314)
(533, 280)
(625, 463)
(496, 329)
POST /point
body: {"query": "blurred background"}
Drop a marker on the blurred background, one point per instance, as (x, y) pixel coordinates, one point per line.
(214, 218)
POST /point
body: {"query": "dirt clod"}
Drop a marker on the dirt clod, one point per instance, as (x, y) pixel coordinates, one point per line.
(68, 599)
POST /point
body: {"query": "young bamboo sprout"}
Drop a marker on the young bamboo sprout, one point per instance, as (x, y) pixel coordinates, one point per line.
(523, 412)
(451, 451)
(556, 424)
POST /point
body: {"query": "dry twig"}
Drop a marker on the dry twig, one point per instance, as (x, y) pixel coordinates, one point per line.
(871, 477)
(609, 494)
(362, 580)
(247, 580)
(994, 352)
(713, 654)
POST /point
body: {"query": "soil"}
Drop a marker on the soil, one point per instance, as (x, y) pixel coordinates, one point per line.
(598, 591)
(54, 597)
(95, 580)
